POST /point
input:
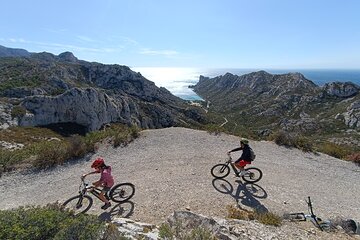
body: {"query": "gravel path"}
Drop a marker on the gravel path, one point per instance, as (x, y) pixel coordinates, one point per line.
(171, 171)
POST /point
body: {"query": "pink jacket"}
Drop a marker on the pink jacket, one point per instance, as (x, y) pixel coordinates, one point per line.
(106, 177)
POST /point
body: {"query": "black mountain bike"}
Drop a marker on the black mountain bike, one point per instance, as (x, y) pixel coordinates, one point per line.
(252, 174)
(300, 216)
(82, 203)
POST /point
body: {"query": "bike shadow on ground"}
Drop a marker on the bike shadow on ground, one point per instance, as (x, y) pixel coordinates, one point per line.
(246, 194)
(120, 210)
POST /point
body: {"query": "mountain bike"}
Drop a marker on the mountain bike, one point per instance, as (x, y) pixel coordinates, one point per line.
(318, 222)
(82, 203)
(252, 174)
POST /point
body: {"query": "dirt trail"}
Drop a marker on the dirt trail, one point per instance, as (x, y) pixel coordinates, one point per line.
(171, 170)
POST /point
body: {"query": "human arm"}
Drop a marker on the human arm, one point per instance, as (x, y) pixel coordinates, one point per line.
(235, 149)
(84, 175)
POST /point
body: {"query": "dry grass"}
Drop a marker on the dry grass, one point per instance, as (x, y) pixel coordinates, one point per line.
(266, 218)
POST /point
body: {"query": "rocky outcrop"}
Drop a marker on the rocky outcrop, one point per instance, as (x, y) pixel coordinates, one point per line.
(86, 107)
(352, 115)
(6, 120)
(341, 89)
(197, 226)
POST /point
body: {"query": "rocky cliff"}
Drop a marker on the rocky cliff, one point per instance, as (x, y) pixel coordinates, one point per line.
(267, 102)
(62, 89)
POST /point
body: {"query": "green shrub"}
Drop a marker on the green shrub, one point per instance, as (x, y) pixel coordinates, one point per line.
(77, 146)
(82, 227)
(18, 111)
(112, 233)
(50, 154)
(165, 232)
(49, 222)
(292, 140)
(333, 149)
(214, 129)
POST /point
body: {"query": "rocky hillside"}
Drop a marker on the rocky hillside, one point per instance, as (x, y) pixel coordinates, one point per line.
(42, 88)
(268, 102)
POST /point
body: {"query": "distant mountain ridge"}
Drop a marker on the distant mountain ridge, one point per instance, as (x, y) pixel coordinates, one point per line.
(13, 52)
(52, 89)
(266, 102)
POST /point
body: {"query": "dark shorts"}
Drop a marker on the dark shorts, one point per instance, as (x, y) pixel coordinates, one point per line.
(105, 189)
(241, 163)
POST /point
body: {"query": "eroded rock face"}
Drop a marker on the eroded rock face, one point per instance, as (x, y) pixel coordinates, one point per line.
(93, 108)
(6, 119)
(86, 107)
(341, 89)
(352, 116)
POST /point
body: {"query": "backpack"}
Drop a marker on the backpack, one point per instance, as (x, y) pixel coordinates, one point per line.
(252, 154)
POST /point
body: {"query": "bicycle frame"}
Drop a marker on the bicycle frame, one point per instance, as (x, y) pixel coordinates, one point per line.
(318, 222)
(232, 164)
(84, 188)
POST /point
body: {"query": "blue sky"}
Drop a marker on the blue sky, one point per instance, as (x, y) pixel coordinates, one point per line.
(189, 33)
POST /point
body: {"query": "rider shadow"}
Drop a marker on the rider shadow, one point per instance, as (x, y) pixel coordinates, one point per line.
(246, 194)
(120, 210)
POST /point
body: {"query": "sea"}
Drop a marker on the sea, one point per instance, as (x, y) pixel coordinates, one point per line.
(177, 80)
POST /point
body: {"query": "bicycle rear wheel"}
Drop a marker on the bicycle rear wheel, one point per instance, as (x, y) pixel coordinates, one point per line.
(252, 175)
(220, 170)
(122, 192)
(78, 204)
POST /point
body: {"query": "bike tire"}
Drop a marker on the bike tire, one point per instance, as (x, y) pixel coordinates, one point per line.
(252, 175)
(76, 204)
(122, 192)
(220, 170)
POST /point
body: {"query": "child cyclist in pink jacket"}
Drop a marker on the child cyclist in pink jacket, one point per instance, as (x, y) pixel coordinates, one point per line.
(106, 179)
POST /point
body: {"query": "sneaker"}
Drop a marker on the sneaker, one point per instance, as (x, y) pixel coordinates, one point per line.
(106, 205)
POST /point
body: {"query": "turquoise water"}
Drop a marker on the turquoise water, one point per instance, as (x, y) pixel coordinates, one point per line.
(177, 80)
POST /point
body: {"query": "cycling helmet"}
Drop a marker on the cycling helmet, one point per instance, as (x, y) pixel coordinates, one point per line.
(98, 163)
(244, 141)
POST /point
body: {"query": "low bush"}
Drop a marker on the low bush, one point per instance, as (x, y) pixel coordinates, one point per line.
(354, 157)
(333, 149)
(214, 129)
(18, 111)
(267, 218)
(237, 213)
(49, 222)
(292, 140)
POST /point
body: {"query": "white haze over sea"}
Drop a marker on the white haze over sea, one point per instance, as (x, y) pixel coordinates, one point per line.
(177, 80)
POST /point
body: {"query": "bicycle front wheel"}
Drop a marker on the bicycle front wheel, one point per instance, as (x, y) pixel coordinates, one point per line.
(220, 170)
(78, 204)
(122, 192)
(252, 175)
